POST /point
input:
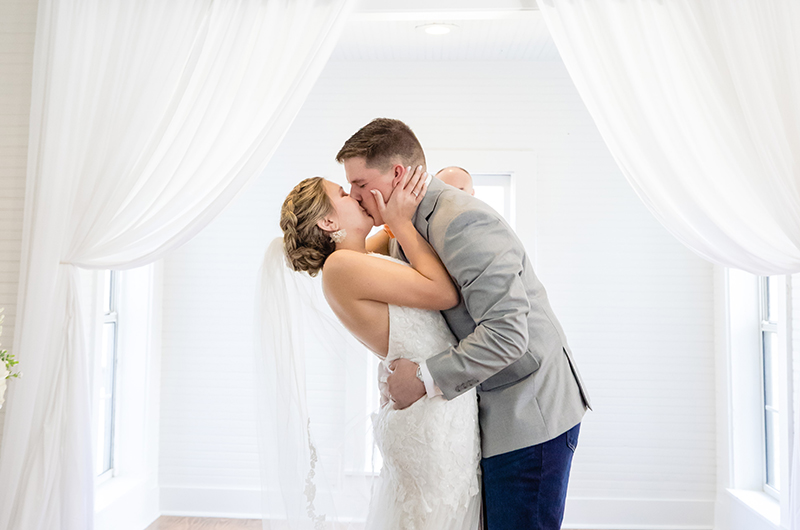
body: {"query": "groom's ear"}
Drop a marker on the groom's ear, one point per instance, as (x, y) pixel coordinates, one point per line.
(398, 171)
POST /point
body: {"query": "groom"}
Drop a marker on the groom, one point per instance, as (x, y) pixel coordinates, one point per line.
(530, 394)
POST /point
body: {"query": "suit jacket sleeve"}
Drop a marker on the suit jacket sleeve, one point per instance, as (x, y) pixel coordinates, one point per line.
(486, 260)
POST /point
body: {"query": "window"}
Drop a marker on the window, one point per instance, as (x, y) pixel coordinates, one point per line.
(770, 364)
(104, 463)
(495, 190)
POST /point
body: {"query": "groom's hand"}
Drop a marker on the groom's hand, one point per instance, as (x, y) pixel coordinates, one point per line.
(404, 385)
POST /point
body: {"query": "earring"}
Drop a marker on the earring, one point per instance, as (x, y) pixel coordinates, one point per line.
(338, 236)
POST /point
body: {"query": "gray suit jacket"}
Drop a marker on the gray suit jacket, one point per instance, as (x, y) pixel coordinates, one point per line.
(511, 344)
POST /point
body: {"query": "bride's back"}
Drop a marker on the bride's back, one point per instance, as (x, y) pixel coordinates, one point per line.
(367, 320)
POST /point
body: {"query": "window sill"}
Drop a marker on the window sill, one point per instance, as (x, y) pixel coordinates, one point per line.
(111, 490)
(761, 503)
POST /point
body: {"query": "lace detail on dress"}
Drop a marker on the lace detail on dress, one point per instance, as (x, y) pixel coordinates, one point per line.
(431, 450)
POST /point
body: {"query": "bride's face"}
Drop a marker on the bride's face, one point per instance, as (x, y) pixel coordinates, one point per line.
(349, 215)
(363, 179)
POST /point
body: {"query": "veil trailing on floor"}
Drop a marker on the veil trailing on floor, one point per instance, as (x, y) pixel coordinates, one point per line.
(316, 389)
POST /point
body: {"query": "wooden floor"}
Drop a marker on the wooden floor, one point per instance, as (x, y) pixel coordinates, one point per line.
(166, 522)
(204, 523)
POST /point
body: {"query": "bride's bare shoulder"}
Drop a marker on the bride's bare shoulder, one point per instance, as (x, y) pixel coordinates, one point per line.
(342, 264)
(342, 258)
(348, 266)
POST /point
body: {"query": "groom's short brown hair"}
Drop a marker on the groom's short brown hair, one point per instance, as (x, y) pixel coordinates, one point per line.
(382, 141)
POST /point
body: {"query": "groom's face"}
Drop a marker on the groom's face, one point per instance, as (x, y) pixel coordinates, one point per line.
(363, 179)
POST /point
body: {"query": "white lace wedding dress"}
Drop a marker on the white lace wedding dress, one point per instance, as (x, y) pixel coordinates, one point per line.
(431, 450)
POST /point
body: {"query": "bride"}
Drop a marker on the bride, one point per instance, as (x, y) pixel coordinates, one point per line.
(431, 450)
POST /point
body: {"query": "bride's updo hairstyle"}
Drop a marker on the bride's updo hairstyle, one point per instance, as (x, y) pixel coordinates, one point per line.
(307, 245)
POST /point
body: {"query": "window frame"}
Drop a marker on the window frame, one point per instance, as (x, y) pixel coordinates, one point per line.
(111, 317)
(767, 326)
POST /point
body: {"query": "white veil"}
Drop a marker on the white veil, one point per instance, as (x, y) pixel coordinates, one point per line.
(315, 392)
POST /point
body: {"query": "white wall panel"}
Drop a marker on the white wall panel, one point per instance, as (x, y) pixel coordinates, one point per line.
(17, 28)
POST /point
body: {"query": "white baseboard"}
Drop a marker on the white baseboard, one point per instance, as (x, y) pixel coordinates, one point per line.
(211, 502)
(581, 513)
(638, 514)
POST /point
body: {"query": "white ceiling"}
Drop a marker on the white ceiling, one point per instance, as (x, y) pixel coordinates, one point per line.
(384, 30)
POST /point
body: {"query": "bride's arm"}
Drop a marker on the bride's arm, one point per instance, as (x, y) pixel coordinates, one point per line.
(427, 285)
(379, 243)
(353, 275)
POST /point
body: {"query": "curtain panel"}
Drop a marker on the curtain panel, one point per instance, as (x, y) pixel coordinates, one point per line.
(698, 103)
(147, 119)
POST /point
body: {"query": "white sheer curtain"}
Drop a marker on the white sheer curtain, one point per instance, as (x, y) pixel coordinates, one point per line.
(147, 119)
(698, 103)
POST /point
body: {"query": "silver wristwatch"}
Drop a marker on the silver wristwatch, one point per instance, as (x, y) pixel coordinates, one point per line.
(419, 373)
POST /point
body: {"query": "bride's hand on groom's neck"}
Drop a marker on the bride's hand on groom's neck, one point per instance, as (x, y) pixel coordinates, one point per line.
(399, 208)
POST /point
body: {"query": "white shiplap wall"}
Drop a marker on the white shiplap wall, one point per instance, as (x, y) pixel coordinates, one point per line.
(636, 305)
(17, 29)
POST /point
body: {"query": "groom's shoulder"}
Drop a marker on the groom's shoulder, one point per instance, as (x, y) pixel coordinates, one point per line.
(460, 217)
(454, 204)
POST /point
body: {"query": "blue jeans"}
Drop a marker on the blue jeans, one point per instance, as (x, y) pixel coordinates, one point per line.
(526, 489)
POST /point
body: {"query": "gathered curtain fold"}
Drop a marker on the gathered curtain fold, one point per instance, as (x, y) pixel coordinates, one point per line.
(698, 103)
(147, 119)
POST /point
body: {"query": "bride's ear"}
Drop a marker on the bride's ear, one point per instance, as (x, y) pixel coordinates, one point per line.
(328, 224)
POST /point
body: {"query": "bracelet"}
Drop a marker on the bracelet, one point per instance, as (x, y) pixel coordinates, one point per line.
(388, 231)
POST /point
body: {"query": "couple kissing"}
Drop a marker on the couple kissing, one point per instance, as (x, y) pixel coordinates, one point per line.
(483, 399)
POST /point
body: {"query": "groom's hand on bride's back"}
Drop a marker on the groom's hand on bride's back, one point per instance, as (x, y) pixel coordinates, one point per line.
(405, 388)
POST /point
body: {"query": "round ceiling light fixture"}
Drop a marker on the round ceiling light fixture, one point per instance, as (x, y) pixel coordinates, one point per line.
(437, 28)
